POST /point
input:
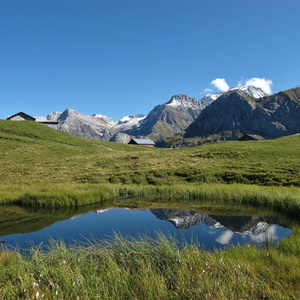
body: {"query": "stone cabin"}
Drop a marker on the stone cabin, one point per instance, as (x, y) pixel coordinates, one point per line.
(251, 137)
(142, 142)
(24, 117)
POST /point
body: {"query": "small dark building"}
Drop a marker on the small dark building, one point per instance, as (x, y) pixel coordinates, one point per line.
(24, 117)
(21, 117)
(251, 137)
(142, 142)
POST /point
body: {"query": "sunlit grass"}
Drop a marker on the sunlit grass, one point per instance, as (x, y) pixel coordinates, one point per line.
(31, 153)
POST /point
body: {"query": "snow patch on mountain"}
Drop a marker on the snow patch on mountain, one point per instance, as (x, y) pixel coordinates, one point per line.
(186, 102)
(211, 97)
(130, 121)
(250, 90)
(105, 120)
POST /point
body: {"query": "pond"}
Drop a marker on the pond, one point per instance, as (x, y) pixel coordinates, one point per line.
(25, 227)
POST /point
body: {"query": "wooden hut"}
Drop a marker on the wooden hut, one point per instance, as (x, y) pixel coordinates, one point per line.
(142, 142)
(21, 117)
(251, 137)
(24, 117)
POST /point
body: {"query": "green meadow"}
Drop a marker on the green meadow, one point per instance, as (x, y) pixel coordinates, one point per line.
(42, 167)
(34, 156)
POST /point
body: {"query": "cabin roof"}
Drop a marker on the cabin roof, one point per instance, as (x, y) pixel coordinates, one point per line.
(21, 114)
(42, 119)
(143, 141)
(253, 136)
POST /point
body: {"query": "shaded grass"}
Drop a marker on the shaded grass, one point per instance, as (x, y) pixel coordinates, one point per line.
(152, 269)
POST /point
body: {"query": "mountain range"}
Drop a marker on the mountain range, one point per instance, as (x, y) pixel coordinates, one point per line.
(216, 117)
(236, 113)
(163, 120)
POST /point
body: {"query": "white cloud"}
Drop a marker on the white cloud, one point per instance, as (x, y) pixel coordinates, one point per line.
(225, 237)
(269, 235)
(220, 84)
(262, 83)
(208, 91)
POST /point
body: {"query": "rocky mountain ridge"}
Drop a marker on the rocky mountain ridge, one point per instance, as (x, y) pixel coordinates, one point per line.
(170, 118)
(164, 120)
(236, 113)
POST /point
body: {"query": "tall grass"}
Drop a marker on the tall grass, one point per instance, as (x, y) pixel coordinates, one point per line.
(282, 199)
(56, 194)
(151, 269)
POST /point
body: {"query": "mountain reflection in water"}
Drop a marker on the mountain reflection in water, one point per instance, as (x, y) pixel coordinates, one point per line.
(209, 231)
(258, 229)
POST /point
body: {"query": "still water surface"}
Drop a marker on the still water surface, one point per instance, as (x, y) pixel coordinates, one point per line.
(209, 231)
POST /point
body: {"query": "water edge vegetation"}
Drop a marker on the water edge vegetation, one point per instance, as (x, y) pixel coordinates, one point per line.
(151, 269)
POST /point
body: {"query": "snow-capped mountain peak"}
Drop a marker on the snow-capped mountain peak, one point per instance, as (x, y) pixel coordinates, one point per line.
(184, 101)
(130, 121)
(250, 90)
(103, 119)
(178, 100)
(211, 97)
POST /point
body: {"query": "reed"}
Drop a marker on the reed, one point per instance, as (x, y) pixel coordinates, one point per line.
(145, 268)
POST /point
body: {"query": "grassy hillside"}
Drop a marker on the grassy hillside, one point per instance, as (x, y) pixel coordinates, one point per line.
(32, 153)
(40, 166)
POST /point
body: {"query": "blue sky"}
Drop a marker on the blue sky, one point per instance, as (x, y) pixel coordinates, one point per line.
(121, 57)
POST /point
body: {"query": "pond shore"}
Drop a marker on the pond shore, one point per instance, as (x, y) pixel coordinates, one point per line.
(285, 200)
(152, 269)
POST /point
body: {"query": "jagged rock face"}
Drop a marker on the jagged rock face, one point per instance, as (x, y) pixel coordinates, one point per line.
(225, 113)
(251, 91)
(171, 117)
(54, 116)
(121, 138)
(164, 120)
(97, 127)
(225, 116)
(235, 113)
